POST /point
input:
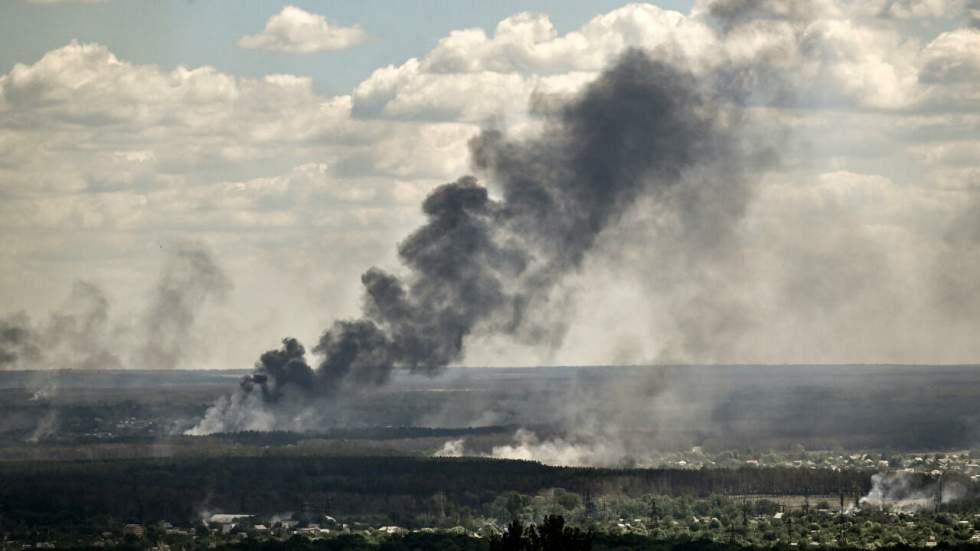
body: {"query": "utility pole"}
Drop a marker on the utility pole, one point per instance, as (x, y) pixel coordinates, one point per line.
(840, 540)
(745, 517)
(732, 522)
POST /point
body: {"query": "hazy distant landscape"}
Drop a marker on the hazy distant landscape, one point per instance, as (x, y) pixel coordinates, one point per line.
(651, 409)
(741, 450)
(510, 275)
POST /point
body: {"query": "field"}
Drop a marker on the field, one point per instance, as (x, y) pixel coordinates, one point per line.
(666, 408)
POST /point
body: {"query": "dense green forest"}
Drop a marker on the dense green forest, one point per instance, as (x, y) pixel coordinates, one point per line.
(43, 493)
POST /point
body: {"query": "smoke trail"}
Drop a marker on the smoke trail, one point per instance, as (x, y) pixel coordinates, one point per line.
(191, 278)
(481, 264)
(18, 341)
(76, 335)
(81, 334)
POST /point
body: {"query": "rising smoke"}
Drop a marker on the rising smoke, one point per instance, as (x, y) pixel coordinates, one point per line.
(76, 336)
(911, 493)
(191, 278)
(494, 266)
(82, 334)
(600, 417)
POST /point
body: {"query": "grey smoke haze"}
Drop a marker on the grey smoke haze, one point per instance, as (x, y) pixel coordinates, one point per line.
(911, 493)
(494, 266)
(858, 273)
(831, 262)
(76, 335)
(83, 334)
(627, 419)
(17, 341)
(190, 279)
(81, 330)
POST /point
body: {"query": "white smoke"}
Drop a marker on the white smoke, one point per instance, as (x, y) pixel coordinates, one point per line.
(47, 426)
(452, 448)
(558, 451)
(243, 412)
(248, 411)
(898, 491)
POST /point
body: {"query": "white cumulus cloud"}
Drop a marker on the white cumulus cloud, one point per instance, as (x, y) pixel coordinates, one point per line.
(875, 118)
(298, 31)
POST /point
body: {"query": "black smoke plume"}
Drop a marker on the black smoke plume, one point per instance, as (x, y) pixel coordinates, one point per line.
(481, 264)
(286, 366)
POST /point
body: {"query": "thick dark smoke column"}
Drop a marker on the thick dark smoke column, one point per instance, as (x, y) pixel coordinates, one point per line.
(286, 366)
(481, 264)
(637, 128)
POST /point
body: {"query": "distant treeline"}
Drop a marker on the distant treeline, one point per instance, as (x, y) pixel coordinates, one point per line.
(74, 493)
(366, 433)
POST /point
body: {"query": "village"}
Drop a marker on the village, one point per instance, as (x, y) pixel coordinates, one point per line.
(799, 521)
(963, 462)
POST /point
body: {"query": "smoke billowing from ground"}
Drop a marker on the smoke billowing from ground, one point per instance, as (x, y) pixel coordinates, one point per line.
(494, 266)
(567, 452)
(81, 333)
(909, 493)
(624, 420)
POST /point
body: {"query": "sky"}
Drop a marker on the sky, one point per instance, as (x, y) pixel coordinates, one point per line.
(206, 32)
(293, 143)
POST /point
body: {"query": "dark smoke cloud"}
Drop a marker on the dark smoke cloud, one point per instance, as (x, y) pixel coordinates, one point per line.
(286, 366)
(481, 264)
(731, 13)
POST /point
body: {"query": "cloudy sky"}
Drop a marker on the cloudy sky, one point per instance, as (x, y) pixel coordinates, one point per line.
(295, 141)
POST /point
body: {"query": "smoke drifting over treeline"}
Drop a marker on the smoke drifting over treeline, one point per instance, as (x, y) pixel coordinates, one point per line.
(911, 493)
(82, 334)
(494, 266)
